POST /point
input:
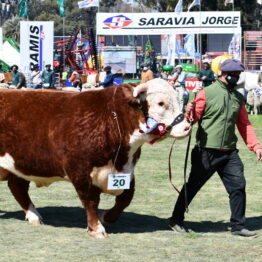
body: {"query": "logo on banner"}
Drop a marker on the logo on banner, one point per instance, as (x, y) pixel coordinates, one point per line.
(42, 35)
(118, 21)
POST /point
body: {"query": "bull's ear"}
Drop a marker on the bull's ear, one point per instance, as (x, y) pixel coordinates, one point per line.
(142, 88)
(128, 92)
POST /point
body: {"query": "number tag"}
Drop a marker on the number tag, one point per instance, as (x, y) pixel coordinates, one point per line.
(118, 181)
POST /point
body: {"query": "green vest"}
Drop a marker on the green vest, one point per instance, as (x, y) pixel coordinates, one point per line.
(216, 128)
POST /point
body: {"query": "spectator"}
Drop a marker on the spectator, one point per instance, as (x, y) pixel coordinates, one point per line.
(166, 71)
(36, 78)
(17, 78)
(75, 79)
(2, 78)
(206, 75)
(179, 79)
(146, 74)
(48, 77)
(109, 80)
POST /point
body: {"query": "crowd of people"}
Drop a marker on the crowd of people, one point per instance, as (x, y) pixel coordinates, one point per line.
(15, 79)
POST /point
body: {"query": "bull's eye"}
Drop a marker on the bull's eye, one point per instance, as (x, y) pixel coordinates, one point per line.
(161, 103)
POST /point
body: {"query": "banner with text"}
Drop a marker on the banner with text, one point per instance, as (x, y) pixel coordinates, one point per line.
(168, 23)
(36, 44)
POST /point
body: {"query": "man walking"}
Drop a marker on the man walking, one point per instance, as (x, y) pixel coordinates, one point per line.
(218, 108)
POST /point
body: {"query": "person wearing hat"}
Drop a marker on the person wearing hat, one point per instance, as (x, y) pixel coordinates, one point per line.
(36, 78)
(17, 78)
(179, 79)
(146, 73)
(206, 75)
(109, 80)
(218, 108)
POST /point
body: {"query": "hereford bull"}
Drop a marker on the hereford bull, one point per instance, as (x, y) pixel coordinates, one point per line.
(82, 138)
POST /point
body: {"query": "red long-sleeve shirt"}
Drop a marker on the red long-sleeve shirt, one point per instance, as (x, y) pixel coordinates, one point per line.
(243, 124)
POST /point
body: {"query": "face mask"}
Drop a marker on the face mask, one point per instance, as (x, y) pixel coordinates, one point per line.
(145, 68)
(232, 79)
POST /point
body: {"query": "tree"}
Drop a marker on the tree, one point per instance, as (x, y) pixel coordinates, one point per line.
(11, 28)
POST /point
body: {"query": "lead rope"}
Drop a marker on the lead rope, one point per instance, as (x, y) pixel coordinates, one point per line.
(170, 169)
(119, 131)
(185, 167)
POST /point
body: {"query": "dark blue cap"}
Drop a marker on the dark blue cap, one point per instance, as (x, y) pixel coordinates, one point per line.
(232, 65)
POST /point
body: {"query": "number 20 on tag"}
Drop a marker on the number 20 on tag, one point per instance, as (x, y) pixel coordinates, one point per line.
(118, 181)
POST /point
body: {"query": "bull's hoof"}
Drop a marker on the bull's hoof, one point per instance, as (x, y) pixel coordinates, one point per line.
(36, 222)
(33, 217)
(98, 232)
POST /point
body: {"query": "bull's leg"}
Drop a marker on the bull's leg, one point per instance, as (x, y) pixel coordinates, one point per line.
(90, 197)
(122, 201)
(19, 188)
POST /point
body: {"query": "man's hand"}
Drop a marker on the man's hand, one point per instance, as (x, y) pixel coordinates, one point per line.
(190, 111)
(259, 154)
(204, 77)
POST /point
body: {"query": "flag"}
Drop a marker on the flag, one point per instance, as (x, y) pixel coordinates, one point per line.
(22, 7)
(61, 7)
(189, 45)
(229, 2)
(148, 50)
(234, 46)
(172, 49)
(88, 3)
(179, 7)
(194, 3)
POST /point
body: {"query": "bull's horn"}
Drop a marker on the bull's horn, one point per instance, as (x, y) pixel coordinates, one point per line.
(140, 89)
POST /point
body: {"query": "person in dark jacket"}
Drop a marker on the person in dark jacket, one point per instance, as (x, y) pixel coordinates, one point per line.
(48, 77)
(17, 78)
(206, 75)
(218, 108)
(109, 80)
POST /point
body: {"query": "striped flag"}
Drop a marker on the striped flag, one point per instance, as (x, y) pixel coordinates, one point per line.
(88, 3)
(194, 3)
(179, 7)
(229, 2)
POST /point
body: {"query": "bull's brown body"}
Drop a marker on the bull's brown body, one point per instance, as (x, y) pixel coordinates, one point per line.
(65, 135)
(47, 136)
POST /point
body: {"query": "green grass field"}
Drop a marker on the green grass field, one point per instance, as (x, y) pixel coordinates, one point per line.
(141, 234)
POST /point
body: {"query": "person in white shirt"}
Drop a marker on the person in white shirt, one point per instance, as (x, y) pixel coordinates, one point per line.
(36, 78)
(179, 79)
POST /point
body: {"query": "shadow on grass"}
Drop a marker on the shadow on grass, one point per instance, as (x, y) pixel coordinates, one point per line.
(129, 222)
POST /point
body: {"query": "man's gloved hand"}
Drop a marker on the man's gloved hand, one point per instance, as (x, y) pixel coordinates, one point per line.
(190, 108)
(259, 154)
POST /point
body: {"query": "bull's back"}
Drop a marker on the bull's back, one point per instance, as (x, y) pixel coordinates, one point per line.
(25, 118)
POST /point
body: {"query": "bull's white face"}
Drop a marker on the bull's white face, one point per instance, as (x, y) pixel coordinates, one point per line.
(163, 106)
